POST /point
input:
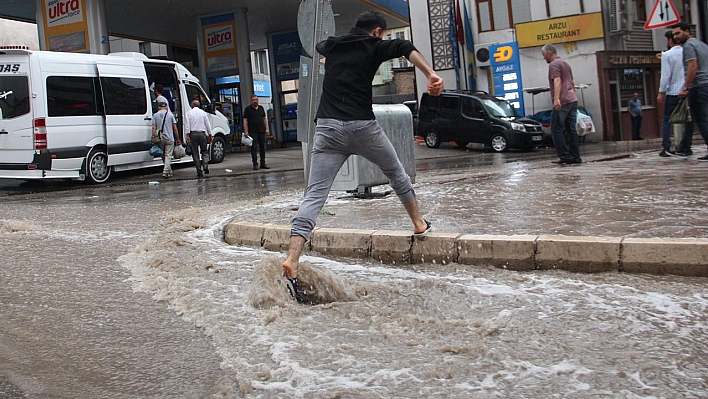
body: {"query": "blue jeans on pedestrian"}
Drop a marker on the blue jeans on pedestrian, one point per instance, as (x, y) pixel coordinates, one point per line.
(698, 102)
(636, 127)
(564, 133)
(335, 141)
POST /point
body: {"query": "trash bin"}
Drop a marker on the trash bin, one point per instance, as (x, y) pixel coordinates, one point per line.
(359, 174)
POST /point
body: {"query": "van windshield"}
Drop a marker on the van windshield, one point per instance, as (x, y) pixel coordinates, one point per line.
(500, 108)
(14, 96)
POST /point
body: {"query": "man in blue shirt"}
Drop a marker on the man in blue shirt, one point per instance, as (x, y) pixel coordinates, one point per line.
(634, 106)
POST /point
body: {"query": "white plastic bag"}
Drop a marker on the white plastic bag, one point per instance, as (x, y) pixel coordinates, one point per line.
(246, 140)
(179, 152)
(584, 124)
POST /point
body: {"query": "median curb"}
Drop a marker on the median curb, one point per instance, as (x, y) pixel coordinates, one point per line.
(584, 254)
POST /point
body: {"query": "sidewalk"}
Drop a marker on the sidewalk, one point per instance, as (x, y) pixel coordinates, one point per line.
(624, 209)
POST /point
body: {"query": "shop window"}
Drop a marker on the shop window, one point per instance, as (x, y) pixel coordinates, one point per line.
(637, 80)
(502, 14)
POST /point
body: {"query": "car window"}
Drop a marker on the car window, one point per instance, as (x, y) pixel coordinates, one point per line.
(500, 108)
(471, 108)
(14, 96)
(448, 103)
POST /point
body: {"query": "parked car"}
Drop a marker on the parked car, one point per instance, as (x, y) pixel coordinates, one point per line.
(475, 117)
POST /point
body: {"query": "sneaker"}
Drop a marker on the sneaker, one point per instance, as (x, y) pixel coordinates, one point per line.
(264, 166)
(675, 154)
(255, 166)
(664, 153)
(703, 158)
(684, 153)
(206, 170)
(200, 174)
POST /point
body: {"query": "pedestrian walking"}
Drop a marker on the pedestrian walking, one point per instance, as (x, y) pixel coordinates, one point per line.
(255, 125)
(166, 122)
(565, 107)
(199, 137)
(346, 124)
(695, 86)
(670, 84)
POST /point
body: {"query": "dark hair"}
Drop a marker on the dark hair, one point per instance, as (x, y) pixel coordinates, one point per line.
(159, 88)
(669, 35)
(370, 20)
(682, 26)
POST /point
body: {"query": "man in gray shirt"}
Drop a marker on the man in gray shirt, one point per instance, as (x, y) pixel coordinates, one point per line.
(695, 86)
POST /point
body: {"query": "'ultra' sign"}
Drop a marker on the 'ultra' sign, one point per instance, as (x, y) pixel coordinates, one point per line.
(63, 12)
(219, 37)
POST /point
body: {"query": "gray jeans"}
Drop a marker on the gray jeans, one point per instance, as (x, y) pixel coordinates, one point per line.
(198, 142)
(334, 142)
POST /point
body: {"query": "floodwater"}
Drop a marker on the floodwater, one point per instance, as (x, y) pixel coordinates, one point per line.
(131, 292)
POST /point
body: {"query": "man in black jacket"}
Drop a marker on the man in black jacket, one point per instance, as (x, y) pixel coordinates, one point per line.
(346, 124)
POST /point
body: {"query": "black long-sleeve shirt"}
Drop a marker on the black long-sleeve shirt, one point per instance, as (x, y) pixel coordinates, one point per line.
(350, 65)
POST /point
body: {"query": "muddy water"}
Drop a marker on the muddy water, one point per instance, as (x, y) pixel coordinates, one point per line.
(116, 293)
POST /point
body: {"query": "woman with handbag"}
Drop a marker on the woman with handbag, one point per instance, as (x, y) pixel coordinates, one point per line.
(167, 135)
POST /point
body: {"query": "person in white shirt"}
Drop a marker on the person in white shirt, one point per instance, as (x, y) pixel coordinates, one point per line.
(198, 129)
(672, 80)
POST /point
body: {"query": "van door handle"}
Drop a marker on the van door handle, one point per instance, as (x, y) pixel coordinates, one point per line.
(147, 118)
(4, 131)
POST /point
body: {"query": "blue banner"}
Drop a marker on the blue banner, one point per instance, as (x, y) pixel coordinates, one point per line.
(286, 56)
(506, 73)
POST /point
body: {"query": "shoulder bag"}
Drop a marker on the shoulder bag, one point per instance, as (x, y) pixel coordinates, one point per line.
(157, 135)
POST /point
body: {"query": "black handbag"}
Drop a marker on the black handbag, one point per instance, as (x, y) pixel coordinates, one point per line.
(681, 114)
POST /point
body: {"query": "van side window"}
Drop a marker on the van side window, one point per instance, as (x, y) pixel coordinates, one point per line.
(124, 96)
(195, 93)
(14, 96)
(471, 108)
(71, 96)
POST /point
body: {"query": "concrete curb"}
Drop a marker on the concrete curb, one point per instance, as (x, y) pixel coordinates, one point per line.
(679, 256)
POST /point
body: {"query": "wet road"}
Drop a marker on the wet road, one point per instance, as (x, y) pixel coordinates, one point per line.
(128, 290)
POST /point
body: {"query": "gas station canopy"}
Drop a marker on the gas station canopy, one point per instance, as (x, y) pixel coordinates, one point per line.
(173, 21)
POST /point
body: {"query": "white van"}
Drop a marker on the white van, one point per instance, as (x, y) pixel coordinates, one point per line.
(82, 116)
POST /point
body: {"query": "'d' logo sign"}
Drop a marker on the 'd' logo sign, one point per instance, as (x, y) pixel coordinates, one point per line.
(219, 38)
(503, 54)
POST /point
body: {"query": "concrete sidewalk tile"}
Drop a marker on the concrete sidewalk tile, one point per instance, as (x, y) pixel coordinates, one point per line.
(342, 242)
(276, 237)
(578, 254)
(244, 233)
(513, 252)
(438, 248)
(391, 247)
(680, 256)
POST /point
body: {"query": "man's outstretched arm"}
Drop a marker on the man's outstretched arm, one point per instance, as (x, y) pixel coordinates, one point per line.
(435, 82)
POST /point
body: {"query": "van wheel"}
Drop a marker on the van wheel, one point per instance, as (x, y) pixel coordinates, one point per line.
(97, 169)
(218, 150)
(432, 139)
(499, 143)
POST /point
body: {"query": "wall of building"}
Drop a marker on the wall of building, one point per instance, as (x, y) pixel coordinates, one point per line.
(14, 33)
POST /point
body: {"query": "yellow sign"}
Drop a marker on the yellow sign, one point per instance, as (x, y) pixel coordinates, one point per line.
(219, 43)
(560, 30)
(503, 54)
(65, 25)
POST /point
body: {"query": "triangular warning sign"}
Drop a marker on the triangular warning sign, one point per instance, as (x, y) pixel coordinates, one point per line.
(663, 14)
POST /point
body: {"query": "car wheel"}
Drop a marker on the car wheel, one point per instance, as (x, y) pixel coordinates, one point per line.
(218, 150)
(498, 143)
(432, 139)
(97, 169)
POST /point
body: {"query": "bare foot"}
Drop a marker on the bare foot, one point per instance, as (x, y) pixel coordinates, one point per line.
(290, 268)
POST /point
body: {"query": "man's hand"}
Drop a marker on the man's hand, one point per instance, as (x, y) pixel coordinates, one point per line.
(557, 104)
(435, 85)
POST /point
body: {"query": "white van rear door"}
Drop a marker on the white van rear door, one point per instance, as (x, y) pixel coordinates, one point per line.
(16, 123)
(126, 100)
